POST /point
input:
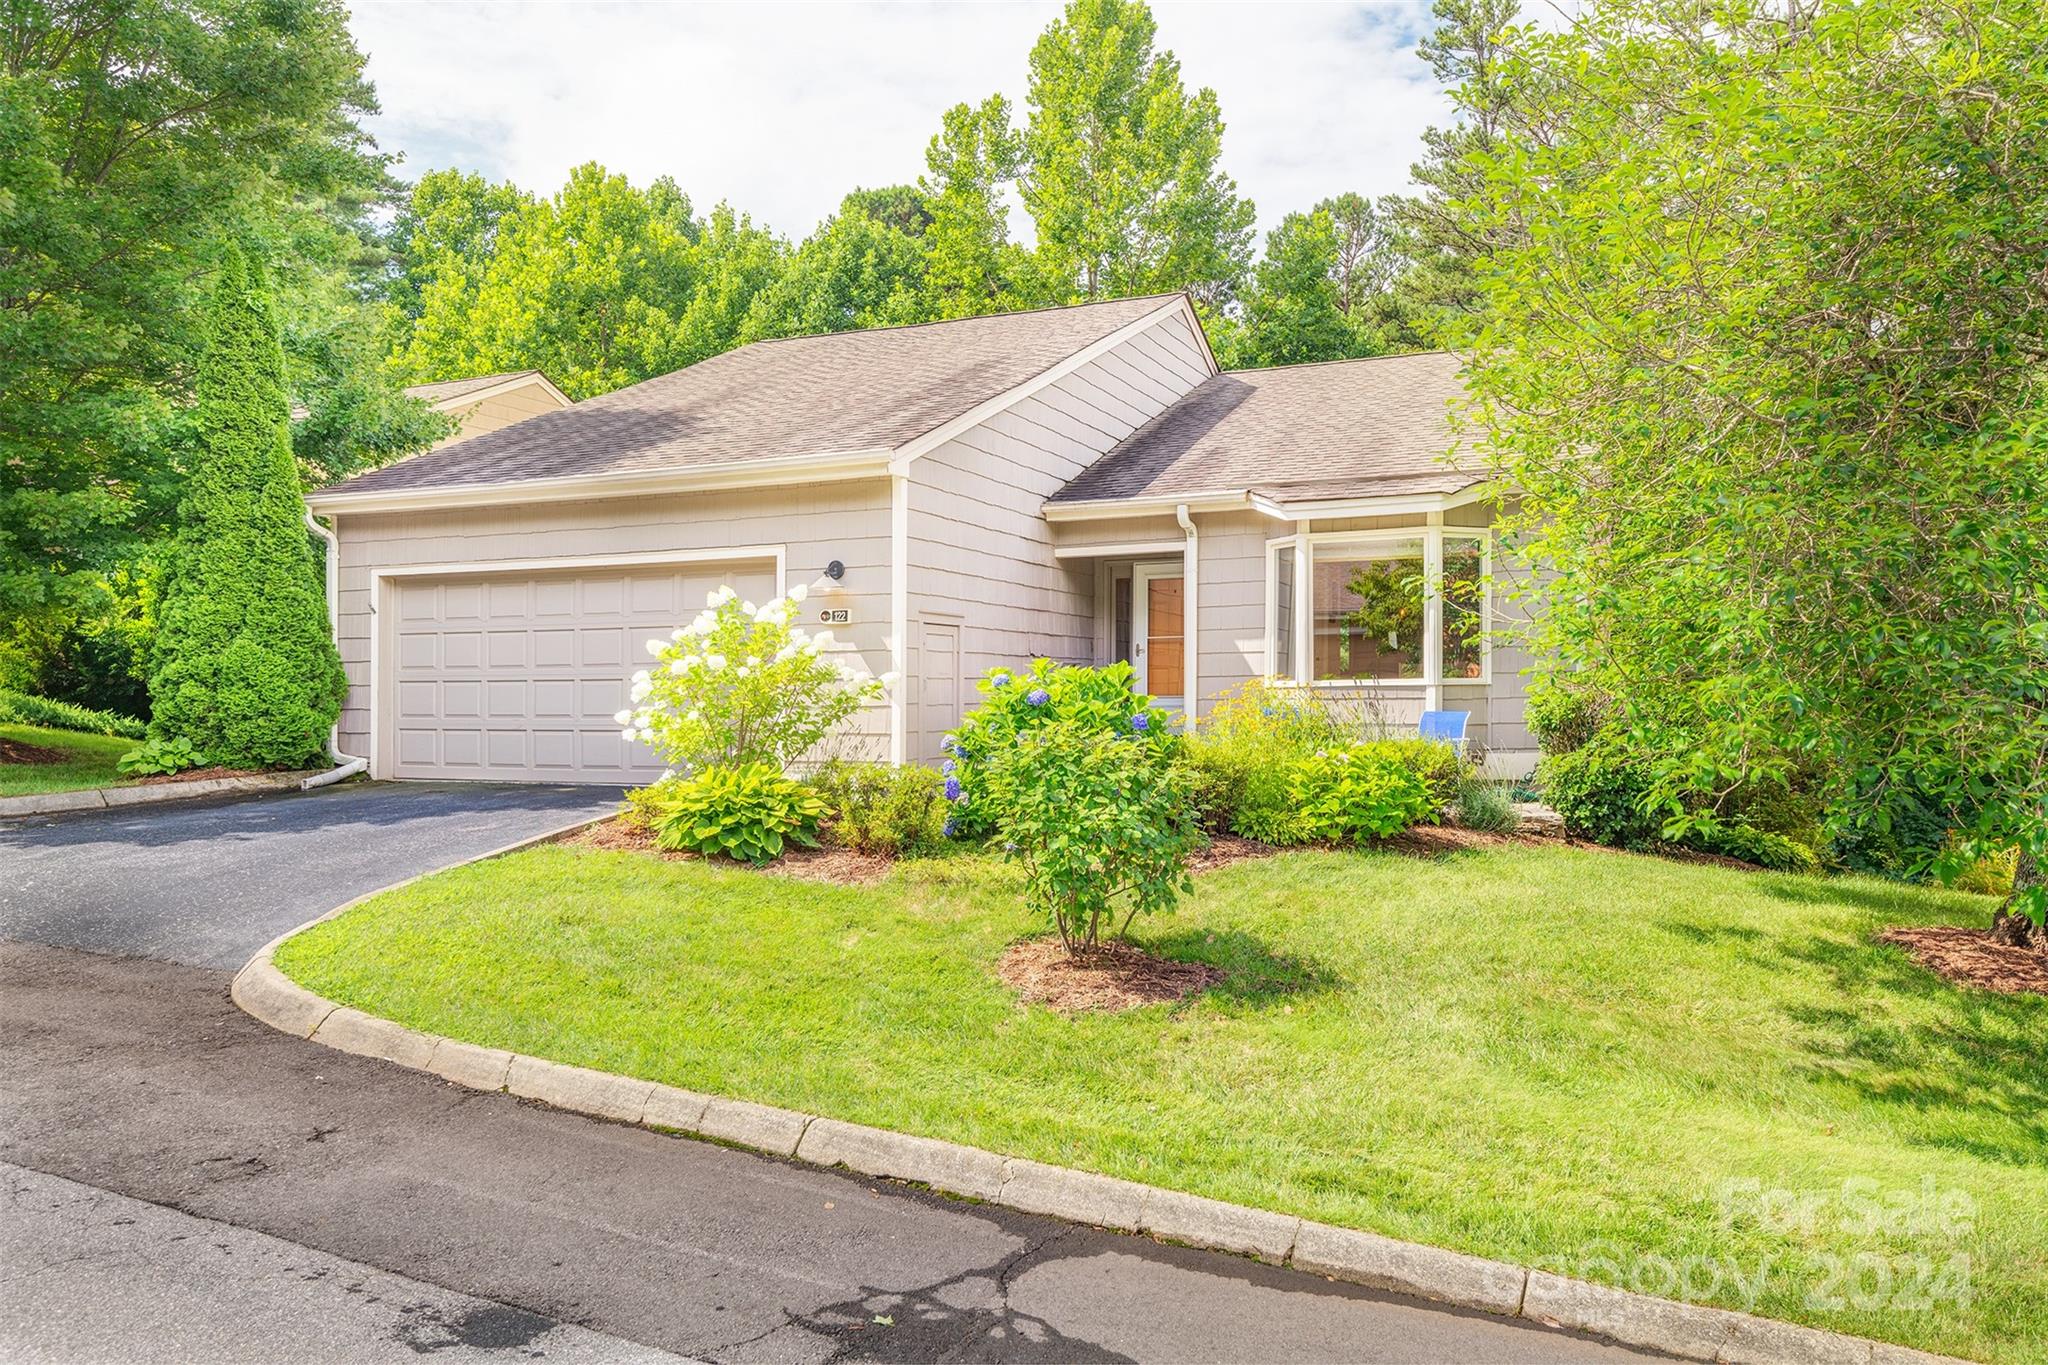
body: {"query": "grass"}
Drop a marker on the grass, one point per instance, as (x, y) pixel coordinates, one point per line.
(1681, 1079)
(89, 761)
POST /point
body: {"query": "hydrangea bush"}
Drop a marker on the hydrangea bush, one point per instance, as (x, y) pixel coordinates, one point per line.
(742, 685)
(1098, 700)
(1102, 822)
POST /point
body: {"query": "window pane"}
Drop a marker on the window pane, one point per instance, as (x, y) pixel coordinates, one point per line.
(1368, 609)
(1282, 628)
(1464, 607)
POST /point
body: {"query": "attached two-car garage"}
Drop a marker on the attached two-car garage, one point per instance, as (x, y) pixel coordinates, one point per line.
(516, 674)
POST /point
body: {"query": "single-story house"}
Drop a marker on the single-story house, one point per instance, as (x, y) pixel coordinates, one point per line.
(487, 402)
(1078, 483)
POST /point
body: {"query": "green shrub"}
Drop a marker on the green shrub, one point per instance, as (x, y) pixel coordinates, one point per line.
(1099, 700)
(875, 808)
(1438, 764)
(1102, 823)
(742, 813)
(1600, 789)
(1752, 845)
(159, 756)
(244, 665)
(743, 684)
(1244, 756)
(1564, 719)
(19, 708)
(1486, 806)
(1362, 792)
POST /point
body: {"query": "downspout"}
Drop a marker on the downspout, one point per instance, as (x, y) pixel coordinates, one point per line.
(899, 615)
(1191, 574)
(346, 765)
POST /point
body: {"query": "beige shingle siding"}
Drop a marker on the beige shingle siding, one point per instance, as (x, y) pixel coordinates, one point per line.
(817, 523)
(502, 410)
(980, 550)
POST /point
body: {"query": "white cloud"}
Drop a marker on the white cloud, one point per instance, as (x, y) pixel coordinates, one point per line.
(783, 108)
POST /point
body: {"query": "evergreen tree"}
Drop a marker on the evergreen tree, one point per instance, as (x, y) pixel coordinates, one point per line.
(244, 666)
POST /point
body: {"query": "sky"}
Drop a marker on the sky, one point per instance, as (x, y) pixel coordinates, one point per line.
(782, 108)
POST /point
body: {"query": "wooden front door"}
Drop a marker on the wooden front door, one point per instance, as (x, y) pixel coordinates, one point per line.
(1157, 595)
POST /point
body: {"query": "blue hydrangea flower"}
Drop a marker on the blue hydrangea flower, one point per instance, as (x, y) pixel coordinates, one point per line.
(946, 745)
(999, 679)
(1141, 722)
(952, 827)
(1039, 696)
(952, 789)
(949, 767)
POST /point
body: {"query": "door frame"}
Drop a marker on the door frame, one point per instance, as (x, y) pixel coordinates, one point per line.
(380, 575)
(1143, 573)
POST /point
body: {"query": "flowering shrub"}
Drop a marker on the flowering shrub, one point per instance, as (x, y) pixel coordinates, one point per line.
(1359, 793)
(1098, 700)
(1100, 820)
(875, 808)
(742, 684)
(743, 813)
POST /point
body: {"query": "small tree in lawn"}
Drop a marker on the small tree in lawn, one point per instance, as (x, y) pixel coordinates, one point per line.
(743, 685)
(244, 666)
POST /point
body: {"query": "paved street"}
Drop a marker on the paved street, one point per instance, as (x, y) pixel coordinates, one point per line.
(270, 1170)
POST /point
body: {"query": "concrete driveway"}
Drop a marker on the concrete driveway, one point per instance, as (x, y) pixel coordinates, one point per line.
(208, 882)
(181, 1181)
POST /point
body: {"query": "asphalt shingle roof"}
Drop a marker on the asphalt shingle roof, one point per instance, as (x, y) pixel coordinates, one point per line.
(1340, 429)
(842, 392)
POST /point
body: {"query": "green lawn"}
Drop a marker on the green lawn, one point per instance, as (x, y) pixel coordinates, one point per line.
(89, 762)
(1561, 1058)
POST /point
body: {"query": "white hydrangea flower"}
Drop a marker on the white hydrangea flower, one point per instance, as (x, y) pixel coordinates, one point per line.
(640, 691)
(641, 675)
(799, 593)
(785, 654)
(676, 634)
(629, 734)
(824, 639)
(680, 666)
(742, 671)
(656, 646)
(747, 607)
(623, 718)
(714, 662)
(694, 715)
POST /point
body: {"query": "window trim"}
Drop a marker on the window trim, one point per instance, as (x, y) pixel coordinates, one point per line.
(1306, 543)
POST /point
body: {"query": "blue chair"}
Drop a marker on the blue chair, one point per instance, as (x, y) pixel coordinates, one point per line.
(1447, 727)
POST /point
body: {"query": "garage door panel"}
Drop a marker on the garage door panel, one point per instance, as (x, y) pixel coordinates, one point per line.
(518, 676)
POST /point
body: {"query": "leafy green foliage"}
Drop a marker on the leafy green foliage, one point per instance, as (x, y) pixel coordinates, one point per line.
(745, 813)
(1366, 791)
(159, 756)
(1436, 764)
(1244, 756)
(1602, 789)
(244, 667)
(1102, 700)
(1308, 298)
(1752, 845)
(1101, 821)
(1485, 806)
(19, 708)
(1763, 347)
(741, 685)
(875, 808)
(1563, 718)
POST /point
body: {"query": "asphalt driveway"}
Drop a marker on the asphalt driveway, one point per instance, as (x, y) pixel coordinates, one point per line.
(208, 882)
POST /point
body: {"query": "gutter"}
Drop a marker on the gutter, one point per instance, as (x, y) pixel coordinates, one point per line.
(346, 765)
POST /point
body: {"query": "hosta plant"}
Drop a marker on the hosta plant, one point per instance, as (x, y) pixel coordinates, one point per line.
(741, 685)
(158, 757)
(745, 813)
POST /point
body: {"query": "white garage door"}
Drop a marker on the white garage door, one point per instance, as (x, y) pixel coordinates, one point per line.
(517, 677)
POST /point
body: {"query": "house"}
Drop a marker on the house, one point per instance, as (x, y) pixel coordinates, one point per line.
(490, 401)
(1081, 483)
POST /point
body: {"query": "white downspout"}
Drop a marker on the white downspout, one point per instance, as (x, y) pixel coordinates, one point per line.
(899, 616)
(346, 765)
(1191, 573)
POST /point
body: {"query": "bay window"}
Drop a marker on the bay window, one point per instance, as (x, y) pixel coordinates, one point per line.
(1389, 607)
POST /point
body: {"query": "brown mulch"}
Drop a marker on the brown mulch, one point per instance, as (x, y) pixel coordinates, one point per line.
(1225, 849)
(841, 866)
(1109, 978)
(20, 751)
(195, 775)
(1969, 957)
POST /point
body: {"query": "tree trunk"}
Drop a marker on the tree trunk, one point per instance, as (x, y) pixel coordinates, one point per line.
(2008, 925)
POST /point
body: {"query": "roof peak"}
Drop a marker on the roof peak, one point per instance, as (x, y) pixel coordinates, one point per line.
(973, 317)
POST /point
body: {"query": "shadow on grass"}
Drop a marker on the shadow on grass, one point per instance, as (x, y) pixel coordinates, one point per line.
(1252, 971)
(1966, 1056)
(1894, 901)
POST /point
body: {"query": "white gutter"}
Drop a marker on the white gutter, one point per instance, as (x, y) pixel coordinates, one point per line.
(346, 765)
(1191, 575)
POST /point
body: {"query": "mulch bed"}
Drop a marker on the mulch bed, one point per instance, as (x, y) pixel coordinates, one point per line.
(19, 751)
(1968, 957)
(1225, 849)
(1113, 977)
(195, 775)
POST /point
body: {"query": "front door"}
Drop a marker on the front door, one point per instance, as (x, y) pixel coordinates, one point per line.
(1159, 631)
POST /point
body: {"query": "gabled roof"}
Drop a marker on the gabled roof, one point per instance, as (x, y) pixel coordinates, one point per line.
(448, 390)
(1297, 433)
(775, 401)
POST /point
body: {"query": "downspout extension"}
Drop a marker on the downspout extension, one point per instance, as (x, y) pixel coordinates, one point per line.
(346, 765)
(1191, 574)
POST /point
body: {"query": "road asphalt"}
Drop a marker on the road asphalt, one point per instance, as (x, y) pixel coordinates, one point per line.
(184, 1182)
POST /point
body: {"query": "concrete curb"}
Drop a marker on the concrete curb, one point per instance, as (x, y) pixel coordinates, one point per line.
(1689, 1331)
(115, 798)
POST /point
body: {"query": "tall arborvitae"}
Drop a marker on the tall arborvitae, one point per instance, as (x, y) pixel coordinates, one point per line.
(244, 665)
